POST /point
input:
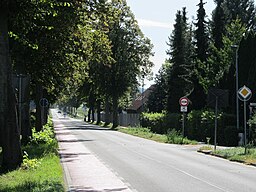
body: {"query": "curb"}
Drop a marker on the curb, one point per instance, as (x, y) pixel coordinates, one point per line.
(209, 152)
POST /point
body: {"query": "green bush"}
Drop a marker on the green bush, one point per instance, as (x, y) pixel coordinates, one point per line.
(175, 137)
(44, 136)
(252, 125)
(160, 122)
(29, 163)
(200, 125)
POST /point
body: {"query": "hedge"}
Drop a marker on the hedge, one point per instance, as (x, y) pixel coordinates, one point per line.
(199, 125)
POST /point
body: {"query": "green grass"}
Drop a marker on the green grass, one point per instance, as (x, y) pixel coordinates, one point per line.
(41, 170)
(46, 177)
(238, 154)
(205, 148)
(147, 134)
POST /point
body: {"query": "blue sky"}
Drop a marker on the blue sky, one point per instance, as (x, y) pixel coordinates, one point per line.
(156, 19)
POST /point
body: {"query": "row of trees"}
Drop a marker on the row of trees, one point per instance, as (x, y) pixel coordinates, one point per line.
(201, 55)
(74, 51)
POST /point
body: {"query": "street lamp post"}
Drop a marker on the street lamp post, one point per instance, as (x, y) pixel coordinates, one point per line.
(237, 101)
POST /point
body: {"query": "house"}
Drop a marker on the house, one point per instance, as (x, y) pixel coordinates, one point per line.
(139, 102)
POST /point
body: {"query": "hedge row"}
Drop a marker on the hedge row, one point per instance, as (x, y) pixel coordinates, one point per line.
(199, 125)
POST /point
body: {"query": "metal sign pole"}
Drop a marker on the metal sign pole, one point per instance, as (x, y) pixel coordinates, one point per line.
(245, 132)
(216, 124)
(183, 124)
(20, 98)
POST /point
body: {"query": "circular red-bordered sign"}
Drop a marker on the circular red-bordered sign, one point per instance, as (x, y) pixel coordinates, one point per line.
(183, 101)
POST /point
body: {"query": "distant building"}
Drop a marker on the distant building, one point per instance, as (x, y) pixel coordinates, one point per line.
(138, 103)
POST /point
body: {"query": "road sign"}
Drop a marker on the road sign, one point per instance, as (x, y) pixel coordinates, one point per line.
(43, 102)
(183, 109)
(183, 101)
(244, 93)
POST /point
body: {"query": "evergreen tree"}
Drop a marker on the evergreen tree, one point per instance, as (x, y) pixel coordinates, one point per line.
(178, 76)
(218, 24)
(247, 62)
(198, 96)
(240, 9)
(157, 98)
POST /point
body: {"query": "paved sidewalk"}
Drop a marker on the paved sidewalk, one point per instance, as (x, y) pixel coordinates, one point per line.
(84, 172)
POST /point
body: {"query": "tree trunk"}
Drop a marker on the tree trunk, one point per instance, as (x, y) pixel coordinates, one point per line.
(115, 112)
(89, 114)
(107, 111)
(9, 131)
(39, 95)
(93, 112)
(98, 112)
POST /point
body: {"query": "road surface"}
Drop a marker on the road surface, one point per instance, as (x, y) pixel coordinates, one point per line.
(148, 166)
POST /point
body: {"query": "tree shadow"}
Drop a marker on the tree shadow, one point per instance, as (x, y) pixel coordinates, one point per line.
(89, 189)
(91, 128)
(73, 140)
(70, 157)
(34, 186)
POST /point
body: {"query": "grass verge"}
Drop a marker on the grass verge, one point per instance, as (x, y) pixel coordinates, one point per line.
(238, 154)
(233, 154)
(41, 170)
(171, 137)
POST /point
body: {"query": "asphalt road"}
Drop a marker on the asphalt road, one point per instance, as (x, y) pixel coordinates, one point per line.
(148, 166)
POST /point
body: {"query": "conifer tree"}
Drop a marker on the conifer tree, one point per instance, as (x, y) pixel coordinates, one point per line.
(178, 75)
(157, 98)
(198, 96)
(218, 24)
(240, 9)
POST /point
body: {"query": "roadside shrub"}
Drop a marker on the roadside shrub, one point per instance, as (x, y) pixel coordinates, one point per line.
(160, 122)
(174, 137)
(29, 163)
(45, 136)
(200, 125)
(252, 125)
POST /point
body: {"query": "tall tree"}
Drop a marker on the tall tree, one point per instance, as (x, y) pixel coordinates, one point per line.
(158, 97)
(240, 9)
(198, 97)
(247, 62)
(179, 83)
(41, 43)
(9, 131)
(218, 24)
(131, 52)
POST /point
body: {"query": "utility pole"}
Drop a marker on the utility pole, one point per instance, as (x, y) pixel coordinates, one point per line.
(237, 101)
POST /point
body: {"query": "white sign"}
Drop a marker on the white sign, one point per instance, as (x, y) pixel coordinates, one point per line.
(183, 109)
(183, 101)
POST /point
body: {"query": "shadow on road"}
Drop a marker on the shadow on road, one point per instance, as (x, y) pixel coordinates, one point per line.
(89, 189)
(73, 140)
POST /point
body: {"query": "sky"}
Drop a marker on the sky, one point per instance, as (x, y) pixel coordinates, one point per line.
(156, 19)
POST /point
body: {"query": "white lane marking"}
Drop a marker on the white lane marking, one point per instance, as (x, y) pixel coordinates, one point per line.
(179, 170)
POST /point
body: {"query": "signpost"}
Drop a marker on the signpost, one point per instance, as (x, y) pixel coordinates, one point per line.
(217, 98)
(183, 108)
(244, 94)
(43, 103)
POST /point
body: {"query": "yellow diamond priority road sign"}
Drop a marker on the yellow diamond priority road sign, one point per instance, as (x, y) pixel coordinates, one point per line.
(244, 93)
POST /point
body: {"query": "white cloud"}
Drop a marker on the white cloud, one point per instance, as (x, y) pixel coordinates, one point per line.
(150, 23)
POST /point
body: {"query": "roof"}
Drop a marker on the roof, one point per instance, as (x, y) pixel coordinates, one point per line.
(141, 99)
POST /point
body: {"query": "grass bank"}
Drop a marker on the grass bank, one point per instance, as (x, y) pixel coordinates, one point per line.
(171, 137)
(234, 154)
(41, 170)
